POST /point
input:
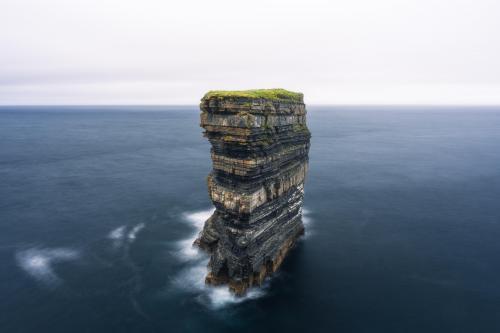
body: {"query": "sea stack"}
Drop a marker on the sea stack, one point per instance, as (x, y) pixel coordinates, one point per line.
(260, 145)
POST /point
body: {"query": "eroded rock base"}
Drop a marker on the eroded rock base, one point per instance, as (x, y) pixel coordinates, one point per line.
(240, 286)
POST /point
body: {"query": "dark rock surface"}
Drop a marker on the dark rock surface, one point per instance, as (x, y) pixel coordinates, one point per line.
(259, 151)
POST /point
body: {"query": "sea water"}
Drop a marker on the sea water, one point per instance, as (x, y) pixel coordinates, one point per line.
(99, 207)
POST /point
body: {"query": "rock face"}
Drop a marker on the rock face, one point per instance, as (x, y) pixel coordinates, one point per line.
(260, 145)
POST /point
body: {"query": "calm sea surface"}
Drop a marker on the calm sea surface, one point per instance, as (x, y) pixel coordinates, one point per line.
(98, 208)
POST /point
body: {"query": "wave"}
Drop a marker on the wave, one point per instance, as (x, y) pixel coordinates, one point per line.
(185, 249)
(197, 219)
(117, 233)
(122, 233)
(308, 222)
(135, 230)
(192, 277)
(39, 262)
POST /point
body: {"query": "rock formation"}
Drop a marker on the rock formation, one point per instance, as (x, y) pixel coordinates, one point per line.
(260, 145)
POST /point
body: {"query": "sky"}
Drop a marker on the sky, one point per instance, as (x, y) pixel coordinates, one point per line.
(172, 52)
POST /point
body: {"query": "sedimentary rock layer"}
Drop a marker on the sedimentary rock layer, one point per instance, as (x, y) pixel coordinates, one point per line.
(260, 145)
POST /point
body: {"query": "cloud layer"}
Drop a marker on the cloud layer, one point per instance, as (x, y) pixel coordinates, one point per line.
(166, 52)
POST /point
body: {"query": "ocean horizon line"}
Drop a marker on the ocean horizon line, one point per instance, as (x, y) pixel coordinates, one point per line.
(307, 104)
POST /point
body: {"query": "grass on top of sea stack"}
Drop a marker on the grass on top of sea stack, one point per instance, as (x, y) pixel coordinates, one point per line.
(269, 94)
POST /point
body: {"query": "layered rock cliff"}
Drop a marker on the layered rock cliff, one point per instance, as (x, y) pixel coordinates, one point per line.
(260, 145)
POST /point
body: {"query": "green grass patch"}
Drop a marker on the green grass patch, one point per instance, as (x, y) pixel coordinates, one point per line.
(268, 94)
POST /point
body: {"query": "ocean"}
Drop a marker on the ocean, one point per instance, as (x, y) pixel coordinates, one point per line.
(99, 207)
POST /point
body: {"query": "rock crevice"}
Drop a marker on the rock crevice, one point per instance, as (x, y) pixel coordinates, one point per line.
(260, 144)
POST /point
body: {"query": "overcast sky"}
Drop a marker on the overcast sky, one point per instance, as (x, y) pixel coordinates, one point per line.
(172, 52)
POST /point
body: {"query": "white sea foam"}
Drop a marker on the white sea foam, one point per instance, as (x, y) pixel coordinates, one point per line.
(122, 233)
(39, 262)
(118, 233)
(135, 230)
(197, 219)
(307, 221)
(185, 249)
(192, 278)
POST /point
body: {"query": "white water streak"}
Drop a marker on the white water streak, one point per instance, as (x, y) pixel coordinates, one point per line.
(39, 263)
(307, 221)
(135, 230)
(122, 233)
